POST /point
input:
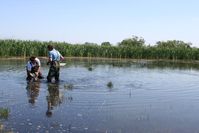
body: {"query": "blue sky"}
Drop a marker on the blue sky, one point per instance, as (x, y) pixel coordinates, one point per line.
(79, 21)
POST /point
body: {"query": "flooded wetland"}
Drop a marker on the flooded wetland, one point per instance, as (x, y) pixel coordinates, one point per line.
(101, 96)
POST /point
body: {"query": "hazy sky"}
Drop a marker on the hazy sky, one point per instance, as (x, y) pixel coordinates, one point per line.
(79, 21)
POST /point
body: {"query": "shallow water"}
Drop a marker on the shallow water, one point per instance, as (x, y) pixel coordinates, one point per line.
(152, 97)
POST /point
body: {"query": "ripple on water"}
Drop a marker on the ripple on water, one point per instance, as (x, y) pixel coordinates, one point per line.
(140, 95)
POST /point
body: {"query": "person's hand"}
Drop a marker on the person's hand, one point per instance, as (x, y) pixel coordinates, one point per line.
(61, 58)
(35, 79)
(31, 74)
(36, 74)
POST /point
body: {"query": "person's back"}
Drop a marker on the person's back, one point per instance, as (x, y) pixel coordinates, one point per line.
(55, 55)
(54, 60)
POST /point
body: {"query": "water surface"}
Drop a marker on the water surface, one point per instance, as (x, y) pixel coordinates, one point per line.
(146, 96)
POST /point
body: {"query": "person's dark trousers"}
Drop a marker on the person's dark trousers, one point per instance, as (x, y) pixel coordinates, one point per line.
(54, 71)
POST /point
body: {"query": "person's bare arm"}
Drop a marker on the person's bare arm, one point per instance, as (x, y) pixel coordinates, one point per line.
(61, 58)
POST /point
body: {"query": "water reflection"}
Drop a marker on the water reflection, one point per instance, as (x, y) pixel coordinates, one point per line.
(3, 130)
(32, 91)
(54, 98)
(155, 100)
(150, 64)
(90, 64)
(168, 65)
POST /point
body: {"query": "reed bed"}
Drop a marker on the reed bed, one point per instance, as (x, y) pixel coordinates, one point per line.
(173, 50)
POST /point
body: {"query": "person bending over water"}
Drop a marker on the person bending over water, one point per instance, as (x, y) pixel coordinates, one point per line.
(33, 69)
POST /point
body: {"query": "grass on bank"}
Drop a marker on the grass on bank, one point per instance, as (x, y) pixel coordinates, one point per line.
(131, 48)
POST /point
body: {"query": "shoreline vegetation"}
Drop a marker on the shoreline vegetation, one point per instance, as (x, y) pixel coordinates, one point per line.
(133, 48)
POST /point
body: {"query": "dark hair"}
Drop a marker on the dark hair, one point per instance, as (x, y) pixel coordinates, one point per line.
(32, 58)
(50, 47)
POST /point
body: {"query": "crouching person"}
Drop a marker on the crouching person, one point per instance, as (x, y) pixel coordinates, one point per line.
(33, 69)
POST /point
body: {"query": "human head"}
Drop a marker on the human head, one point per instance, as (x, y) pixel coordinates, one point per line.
(50, 47)
(32, 58)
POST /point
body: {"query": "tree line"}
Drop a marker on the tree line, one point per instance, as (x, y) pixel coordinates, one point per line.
(134, 48)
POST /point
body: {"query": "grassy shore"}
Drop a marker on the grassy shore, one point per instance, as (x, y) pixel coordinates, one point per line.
(127, 49)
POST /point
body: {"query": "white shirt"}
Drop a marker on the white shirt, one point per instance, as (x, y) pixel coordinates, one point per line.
(30, 65)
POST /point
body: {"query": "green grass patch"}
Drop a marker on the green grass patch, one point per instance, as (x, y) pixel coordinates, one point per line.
(4, 113)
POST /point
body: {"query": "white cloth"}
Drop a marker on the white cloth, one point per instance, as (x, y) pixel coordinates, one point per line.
(30, 65)
(38, 62)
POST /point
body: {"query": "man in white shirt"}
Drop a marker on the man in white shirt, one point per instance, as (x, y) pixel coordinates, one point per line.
(33, 69)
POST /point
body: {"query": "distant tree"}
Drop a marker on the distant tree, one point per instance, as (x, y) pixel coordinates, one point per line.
(173, 44)
(133, 42)
(105, 44)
